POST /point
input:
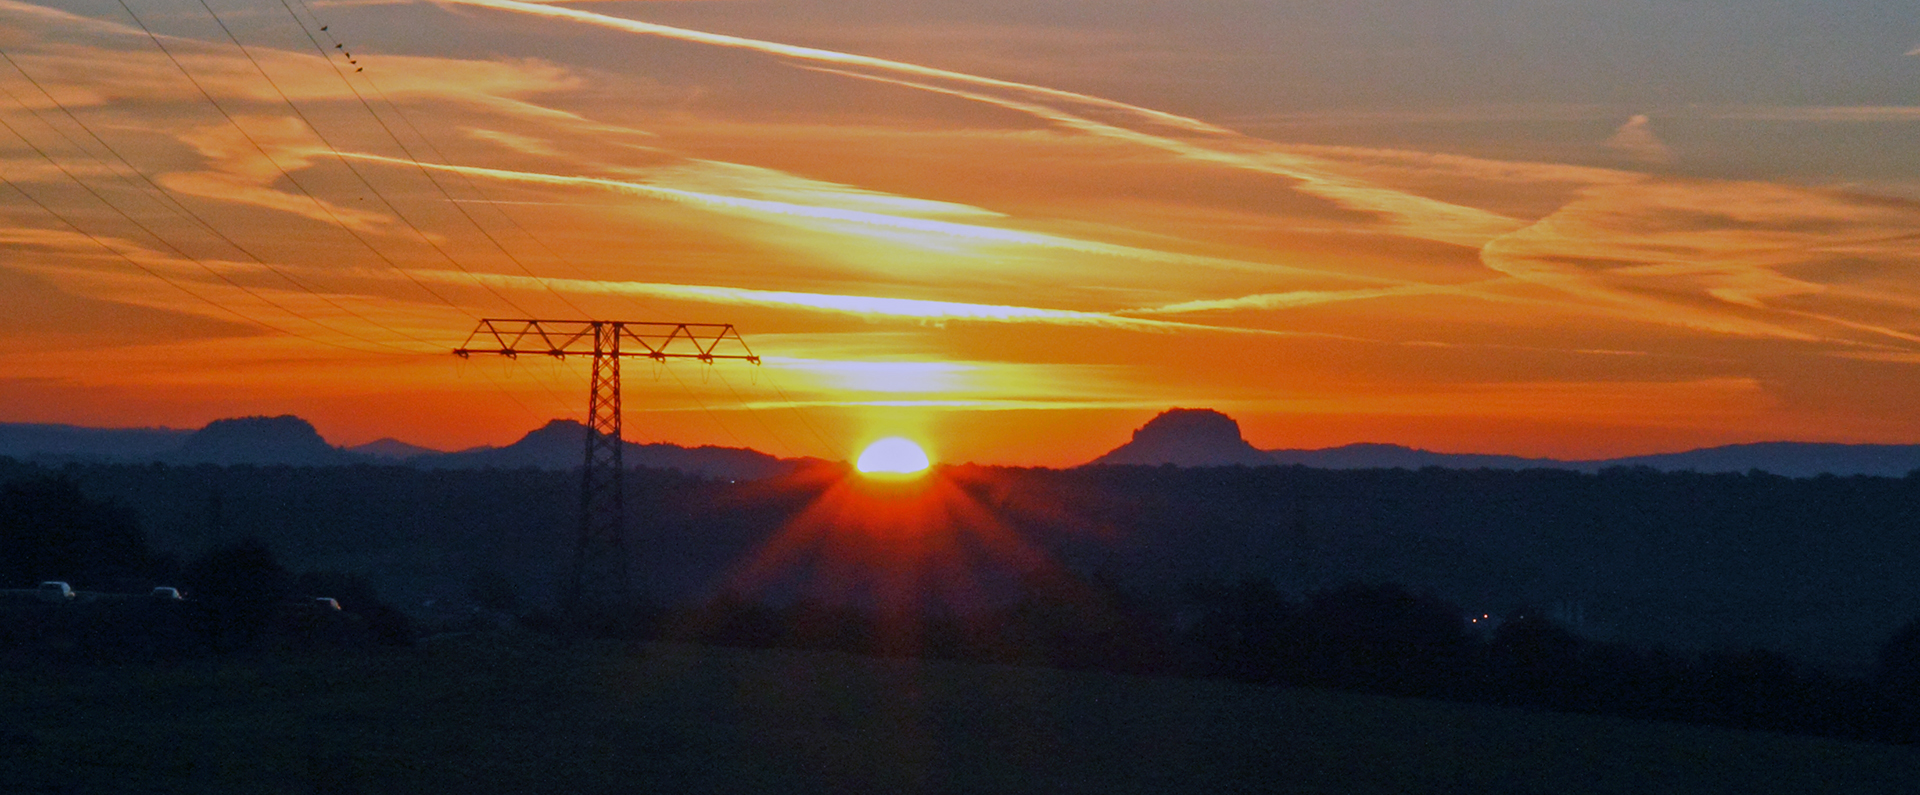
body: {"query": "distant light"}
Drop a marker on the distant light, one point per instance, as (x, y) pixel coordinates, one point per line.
(893, 456)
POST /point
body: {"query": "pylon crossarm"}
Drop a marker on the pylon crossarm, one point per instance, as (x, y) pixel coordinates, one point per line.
(704, 341)
(707, 342)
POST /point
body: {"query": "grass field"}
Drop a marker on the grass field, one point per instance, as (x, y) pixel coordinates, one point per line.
(496, 714)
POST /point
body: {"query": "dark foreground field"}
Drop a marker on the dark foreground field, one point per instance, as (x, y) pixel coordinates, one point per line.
(496, 714)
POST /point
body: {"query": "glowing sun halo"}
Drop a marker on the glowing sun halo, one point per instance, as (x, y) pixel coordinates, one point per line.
(892, 456)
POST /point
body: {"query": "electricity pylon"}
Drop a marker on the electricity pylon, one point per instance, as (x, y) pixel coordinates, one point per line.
(601, 575)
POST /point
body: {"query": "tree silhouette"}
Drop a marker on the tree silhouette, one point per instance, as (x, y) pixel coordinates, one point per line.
(51, 531)
(1386, 639)
(1534, 660)
(1897, 678)
(240, 584)
(1245, 630)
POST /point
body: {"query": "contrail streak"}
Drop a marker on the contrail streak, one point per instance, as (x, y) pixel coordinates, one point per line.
(988, 234)
(1414, 216)
(1300, 298)
(834, 57)
(864, 306)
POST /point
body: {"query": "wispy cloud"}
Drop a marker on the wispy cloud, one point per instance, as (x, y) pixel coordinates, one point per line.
(1817, 113)
(65, 19)
(970, 405)
(1294, 299)
(947, 380)
(1636, 140)
(818, 55)
(523, 144)
(912, 309)
(716, 178)
(243, 174)
(1735, 399)
(1405, 213)
(857, 208)
(87, 75)
(884, 376)
(219, 290)
(1716, 256)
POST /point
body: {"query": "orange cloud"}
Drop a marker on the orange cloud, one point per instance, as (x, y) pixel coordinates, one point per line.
(244, 174)
(1714, 256)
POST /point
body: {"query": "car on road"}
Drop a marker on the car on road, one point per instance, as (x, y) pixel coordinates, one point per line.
(54, 591)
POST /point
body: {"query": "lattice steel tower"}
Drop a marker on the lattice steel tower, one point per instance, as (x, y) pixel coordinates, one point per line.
(602, 575)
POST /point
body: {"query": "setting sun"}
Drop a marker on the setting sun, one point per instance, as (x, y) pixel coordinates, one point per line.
(893, 456)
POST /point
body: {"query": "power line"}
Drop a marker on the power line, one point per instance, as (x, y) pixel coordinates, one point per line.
(163, 277)
(536, 416)
(437, 153)
(795, 408)
(344, 161)
(764, 425)
(708, 410)
(283, 172)
(424, 171)
(165, 198)
(176, 249)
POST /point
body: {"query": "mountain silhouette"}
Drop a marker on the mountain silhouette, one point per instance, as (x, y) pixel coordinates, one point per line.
(25, 440)
(1393, 456)
(1182, 437)
(1787, 459)
(285, 439)
(391, 449)
(561, 444)
(1204, 437)
(1188, 438)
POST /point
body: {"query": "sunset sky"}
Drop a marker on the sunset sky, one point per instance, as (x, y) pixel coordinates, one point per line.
(1013, 231)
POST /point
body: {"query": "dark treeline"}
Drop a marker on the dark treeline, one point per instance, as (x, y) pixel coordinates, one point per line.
(1819, 568)
(1381, 639)
(129, 608)
(1385, 639)
(1049, 609)
(1816, 567)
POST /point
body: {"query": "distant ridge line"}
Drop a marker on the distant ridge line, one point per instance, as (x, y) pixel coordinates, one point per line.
(1204, 437)
(1787, 459)
(1194, 438)
(287, 440)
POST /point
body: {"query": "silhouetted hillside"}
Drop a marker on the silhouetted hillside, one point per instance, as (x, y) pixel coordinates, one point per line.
(1788, 459)
(290, 440)
(35, 440)
(1188, 438)
(1208, 438)
(1182, 437)
(1393, 456)
(1820, 568)
(391, 449)
(1358, 580)
(285, 439)
(560, 444)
